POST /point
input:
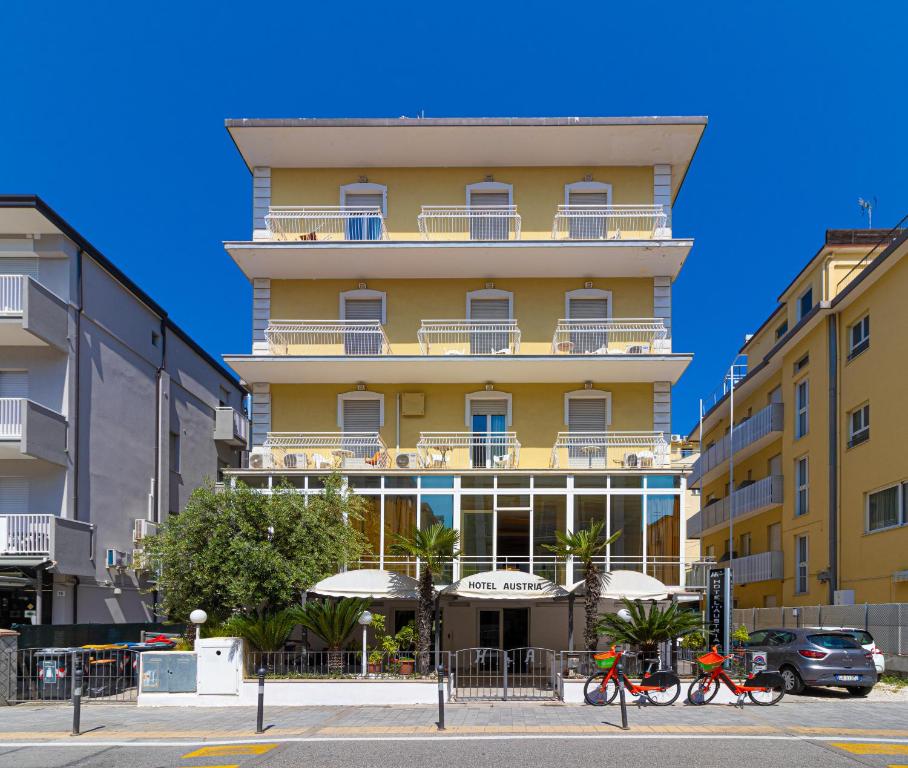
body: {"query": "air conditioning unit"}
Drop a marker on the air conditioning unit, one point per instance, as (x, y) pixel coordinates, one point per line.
(260, 458)
(638, 349)
(407, 460)
(141, 529)
(295, 461)
(138, 560)
(676, 438)
(115, 559)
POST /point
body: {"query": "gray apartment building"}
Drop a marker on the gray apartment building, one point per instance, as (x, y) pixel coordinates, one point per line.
(110, 416)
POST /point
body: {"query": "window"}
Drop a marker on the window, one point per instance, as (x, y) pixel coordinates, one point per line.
(800, 565)
(805, 303)
(774, 536)
(155, 338)
(886, 508)
(859, 337)
(745, 544)
(859, 425)
(588, 222)
(802, 397)
(801, 364)
(775, 396)
(369, 198)
(588, 414)
(13, 496)
(801, 478)
(711, 552)
(367, 308)
(494, 200)
(781, 330)
(13, 384)
(175, 452)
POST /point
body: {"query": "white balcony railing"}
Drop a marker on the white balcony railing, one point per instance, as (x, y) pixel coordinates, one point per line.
(764, 566)
(462, 222)
(327, 450)
(10, 418)
(468, 450)
(469, 337)
(603, 450)
(627, 336)
(327, 337)
(610, 222)
(11, 294)
(325, 222)
(747, 500)
(25, 534)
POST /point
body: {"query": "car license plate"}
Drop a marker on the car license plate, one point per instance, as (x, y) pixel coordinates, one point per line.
(847, 678)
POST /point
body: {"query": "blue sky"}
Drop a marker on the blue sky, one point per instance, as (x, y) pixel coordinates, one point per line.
(113, 112)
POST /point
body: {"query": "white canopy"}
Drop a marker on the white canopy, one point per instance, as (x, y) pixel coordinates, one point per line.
(504, 585)
(630, 584)
(369, 582)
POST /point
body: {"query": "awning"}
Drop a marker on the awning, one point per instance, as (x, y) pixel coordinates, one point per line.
(504, 585)
(630, 584)
(369, 582)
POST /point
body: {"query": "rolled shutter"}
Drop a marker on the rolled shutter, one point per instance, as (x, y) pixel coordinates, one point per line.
(364, 200)
(587, 227)
(490, 309)
(19, 266)
(588, 198)
(488, 407)
(587, 414)
(13, 384)
(361, 415)
(584, 309)
(13, 495)
(362, 309)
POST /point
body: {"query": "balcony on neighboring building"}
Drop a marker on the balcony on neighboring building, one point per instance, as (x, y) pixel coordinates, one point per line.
(325, 222)
(625, 336)
(31, 431)
(468, 450)
(610, 450)
(764, 566)
(469, 337)
(35, 539)
(321, 451)
(749, 437)
(748, 500)
(30, 315)
(464, 222)
(231, 426)
(327, 337)
(611, 222)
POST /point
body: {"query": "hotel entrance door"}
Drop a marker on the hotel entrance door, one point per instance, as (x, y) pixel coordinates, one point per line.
(504, 628)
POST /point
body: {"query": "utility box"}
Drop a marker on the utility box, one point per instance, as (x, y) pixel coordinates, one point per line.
(168, 672)
(220, 665)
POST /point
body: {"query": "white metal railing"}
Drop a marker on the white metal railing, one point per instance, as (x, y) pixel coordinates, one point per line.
(11, 287)
(10, 418)
(627, 336)
(610, 222)
(763, 566)
(326, 222)
(25, 534)
(327, 450)
(469, 337)
(327, 337)
(746, 500)
(601, 450)
(464, 222)
(468, 450)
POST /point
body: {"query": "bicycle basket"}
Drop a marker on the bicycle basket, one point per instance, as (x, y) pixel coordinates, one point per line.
(708, 662)
(605, 660)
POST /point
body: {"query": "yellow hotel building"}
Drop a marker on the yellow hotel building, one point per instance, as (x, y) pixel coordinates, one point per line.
(820, 476)
(471, 319)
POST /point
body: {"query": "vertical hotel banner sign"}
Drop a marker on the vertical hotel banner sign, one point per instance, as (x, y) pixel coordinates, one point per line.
(718, 609)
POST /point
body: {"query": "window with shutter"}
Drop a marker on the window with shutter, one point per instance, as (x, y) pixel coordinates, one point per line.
(586, 414)
(488, 419)
(487, 342)
(364, 227)
(13, 384)
(362, 341)
(19, 266)
(489, 226)
(586, 225)
(588, 338)
(13, 495)
(361, 416)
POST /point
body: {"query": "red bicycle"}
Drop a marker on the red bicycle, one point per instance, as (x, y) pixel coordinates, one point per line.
(763, 688)
(661, 687)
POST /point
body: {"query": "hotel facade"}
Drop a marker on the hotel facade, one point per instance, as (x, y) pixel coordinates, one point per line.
(471, 320)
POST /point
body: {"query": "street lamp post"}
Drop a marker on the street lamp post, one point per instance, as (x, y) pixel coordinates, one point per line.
(198, 617)
(365, 619)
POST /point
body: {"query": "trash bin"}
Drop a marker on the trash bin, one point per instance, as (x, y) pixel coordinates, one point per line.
(107, 669)
(53, 673)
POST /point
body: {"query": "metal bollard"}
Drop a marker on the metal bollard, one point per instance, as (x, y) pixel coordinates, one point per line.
(624, 725)
(76, 662)
(440, 670)
(260, 718)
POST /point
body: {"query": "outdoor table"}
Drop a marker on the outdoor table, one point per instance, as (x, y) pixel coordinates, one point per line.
(590, 451)
(340, 454)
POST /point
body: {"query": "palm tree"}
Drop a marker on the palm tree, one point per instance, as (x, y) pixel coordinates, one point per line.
(434, 546)
(584, 546)
(332, 621)
(263, 633)
(649, 625)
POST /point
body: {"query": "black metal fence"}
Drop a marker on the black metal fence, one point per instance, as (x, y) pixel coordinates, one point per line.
(110, 675)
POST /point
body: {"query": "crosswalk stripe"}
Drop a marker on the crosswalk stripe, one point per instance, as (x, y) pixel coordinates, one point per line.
(863, 748)
(228, 750)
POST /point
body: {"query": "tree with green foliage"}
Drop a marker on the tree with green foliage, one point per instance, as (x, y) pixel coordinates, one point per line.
(333, 621)
(262, 633)
(237, 551)
(649, 625)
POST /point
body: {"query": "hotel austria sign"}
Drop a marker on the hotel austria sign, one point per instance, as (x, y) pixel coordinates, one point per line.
(504, 585)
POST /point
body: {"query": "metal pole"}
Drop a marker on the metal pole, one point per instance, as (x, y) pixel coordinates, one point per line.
(77, 691)
(439, 667)
(260, 716)
(731, 506)
(571, 621)
(365, 658)
(620, 682)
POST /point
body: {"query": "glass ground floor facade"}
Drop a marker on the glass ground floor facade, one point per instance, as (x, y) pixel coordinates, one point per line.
(508, 521)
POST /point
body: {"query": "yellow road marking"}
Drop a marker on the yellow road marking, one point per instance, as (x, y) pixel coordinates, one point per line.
(231, 749)
(857, 748)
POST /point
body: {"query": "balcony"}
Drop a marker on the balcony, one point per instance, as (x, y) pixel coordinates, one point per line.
(31, 431)
(610, 450)
(611, 222)
(469, 337)
(327, 337)
(765, 566)
(37, 538)
(322, 450)
(462, 222)
(627, 336)
(468, 450)
(325, 222)
(749, 436)
(231, 426)
(748, 501)
(30, 315)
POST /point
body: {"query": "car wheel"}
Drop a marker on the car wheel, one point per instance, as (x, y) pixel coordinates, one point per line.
(858, 692)
(792, 680)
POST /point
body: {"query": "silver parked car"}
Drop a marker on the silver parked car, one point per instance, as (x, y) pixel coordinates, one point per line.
(816, 657)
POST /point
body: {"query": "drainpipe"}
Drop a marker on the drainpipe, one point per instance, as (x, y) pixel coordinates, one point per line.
(76, 583)
(76, 395)
(397, 438)
(833, 418)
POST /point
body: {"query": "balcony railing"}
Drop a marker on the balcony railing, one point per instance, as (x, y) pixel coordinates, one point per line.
(762, 424)
(325, 222)
(747, 500)
(468, 450)
(462, 222)
(610, 222)
(327, 337)
(10, 418)
(764, 566)
(604, 450)
(325, 450)
(27, 535)
(469, 337)
(231, 425)
(11, 287)
(628, 336)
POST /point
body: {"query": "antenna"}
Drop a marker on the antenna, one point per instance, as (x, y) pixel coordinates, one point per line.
(867, 207)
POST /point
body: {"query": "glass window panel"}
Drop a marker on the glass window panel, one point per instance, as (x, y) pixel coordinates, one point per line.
(513, 481)
(549, 516)
(362, 481)
(883, 509)
(253, 481)
(400, 481)
(663, 481)
(627, 481)
(476, 531)
(477, 481)
(627, 517)
(400, 520)
(590, 481)
(663, 537)
(317, 481)
(294, 481)
(437, 481)
(438, 509)
(550, 481)
(588, 509)
(513, 500)
(514, 539)
(370, 527)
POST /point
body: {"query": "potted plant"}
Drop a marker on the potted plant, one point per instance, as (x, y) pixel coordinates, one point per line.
(375, 657)
(740, 636)
(405, 640)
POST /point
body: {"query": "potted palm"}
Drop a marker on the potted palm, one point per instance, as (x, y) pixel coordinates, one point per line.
(333, 622)
(406, 640)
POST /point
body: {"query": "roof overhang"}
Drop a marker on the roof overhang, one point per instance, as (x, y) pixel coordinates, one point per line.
(420, 259)
(369, 582)
(457, 369)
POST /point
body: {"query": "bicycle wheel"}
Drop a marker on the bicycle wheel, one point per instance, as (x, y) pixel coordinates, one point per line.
(767, 697)
(595, 693)
(703, 690)
(666, 696)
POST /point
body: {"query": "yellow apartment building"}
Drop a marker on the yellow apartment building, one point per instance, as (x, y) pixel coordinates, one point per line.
(818, 493)
(471, 320)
